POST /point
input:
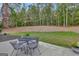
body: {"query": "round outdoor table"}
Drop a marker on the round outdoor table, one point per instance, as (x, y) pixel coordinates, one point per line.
(26, 41)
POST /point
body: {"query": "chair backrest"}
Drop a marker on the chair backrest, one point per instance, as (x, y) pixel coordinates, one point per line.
(33, 43)
(14, 43)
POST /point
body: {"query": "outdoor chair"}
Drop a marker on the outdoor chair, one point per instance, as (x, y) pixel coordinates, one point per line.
(32, 45)
(23, 41)
(17, 46)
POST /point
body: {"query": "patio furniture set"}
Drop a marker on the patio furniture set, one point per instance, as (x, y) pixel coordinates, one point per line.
(28, 45)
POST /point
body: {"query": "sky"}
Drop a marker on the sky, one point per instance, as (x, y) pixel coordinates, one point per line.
(0, 8)
(0, 5)
(26, 4)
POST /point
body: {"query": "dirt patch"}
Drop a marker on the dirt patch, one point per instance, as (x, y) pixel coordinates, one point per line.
(42, 29)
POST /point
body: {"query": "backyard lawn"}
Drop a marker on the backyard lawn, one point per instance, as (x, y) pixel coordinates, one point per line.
(65, 39)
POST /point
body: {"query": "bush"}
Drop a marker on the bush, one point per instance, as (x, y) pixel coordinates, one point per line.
(27, 34)
(1, 26)
(75, 44)
(0, 30)
(5, 33)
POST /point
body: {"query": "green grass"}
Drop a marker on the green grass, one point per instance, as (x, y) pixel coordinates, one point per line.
(65, 39)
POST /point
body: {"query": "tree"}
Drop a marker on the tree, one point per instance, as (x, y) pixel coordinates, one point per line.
(41, 14)
(5, 15)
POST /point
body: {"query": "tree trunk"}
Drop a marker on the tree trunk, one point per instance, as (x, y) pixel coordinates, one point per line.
(66, 16)
(5, 15)
(58, 19)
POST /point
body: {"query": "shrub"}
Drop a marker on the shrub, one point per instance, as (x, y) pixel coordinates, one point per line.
(1, 26)
(27, 35)
(0, 30)
(5, 33)
(75, 44)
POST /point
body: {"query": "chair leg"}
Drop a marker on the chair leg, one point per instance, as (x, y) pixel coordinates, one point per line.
(21, 49)
(17, 52)
(39, 51)
(31, 50)
(26, 50)
(12, 52)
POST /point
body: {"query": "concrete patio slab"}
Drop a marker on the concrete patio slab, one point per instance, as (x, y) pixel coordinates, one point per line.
(45, 48)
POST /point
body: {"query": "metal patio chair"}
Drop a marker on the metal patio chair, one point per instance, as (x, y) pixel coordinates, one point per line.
(32, 45)
(16, 46)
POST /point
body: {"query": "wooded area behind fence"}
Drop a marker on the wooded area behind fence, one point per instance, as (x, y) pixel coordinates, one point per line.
(38, 14)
